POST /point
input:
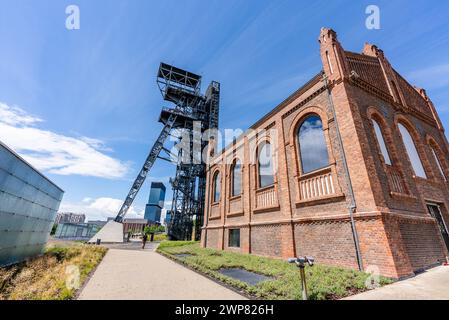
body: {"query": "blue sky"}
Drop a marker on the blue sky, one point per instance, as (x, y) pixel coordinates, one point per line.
(82, 105)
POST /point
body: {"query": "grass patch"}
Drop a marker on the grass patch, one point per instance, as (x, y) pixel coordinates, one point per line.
(323, 282)
(160, 237)
(175, 244)
(44, 277)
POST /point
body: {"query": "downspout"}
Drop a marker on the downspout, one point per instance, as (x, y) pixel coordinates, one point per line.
(353, 205)
(207, 200)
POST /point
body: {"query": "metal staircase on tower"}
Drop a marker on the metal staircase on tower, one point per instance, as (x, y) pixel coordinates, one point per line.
(192, 115)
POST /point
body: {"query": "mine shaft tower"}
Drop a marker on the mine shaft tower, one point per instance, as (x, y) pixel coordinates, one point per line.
(192, 114)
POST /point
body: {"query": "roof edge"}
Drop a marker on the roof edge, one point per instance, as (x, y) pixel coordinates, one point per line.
(314, 80)
(31, 166)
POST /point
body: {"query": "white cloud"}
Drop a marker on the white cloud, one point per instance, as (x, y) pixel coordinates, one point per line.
(53, 152)
(433, 77)
(15, 116)
(100, 208)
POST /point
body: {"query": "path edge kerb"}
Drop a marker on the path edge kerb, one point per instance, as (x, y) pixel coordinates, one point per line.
(227, 286)
(89, 277)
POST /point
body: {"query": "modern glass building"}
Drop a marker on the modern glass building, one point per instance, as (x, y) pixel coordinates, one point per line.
(77, 231)
(155, 202)
(28, 206)
(167, 217)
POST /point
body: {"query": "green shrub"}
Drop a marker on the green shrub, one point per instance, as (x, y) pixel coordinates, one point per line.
(43, 278)
(173, 244)
(160, 237)
(154, 229)
(324, 282)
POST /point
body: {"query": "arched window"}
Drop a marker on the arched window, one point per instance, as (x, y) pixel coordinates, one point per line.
(236, 178)
(312, 145)
(381, 141)
(437, 160)
(265, 159)
(217, 186)
(412, 152)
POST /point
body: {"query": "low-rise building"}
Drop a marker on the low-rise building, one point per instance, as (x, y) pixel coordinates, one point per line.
(76, 231)
(68, 217)
(135, 226)
(99, 223)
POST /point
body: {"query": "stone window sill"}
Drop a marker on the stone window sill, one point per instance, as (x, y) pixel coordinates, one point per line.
(321, 200)
(267, 209)
(234, 198)
(235, 214)
(402, 195)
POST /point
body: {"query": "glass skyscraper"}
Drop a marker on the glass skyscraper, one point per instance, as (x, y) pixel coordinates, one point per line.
(155, 202)
(28, 206)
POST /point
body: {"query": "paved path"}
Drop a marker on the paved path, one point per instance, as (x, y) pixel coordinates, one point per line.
(133, 274)
(430, 285)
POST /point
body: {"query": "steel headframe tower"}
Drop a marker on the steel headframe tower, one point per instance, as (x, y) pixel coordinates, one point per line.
(193, 114)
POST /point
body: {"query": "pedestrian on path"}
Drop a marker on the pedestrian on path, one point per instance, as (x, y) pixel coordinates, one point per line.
(144, 240)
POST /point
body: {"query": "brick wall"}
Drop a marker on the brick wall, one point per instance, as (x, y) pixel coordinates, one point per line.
(266, 240)
(422, 244)
(376, 247)
(213, 238)
(329, 242)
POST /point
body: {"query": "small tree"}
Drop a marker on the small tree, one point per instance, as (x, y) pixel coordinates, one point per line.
(150, 230)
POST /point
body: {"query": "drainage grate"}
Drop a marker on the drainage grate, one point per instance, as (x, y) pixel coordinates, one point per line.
(243, 275)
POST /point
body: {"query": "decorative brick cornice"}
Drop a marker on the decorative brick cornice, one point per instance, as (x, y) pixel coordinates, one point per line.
(304, 102)
(362, 84)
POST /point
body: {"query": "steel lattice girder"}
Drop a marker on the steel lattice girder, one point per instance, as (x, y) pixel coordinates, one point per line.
(183, 89)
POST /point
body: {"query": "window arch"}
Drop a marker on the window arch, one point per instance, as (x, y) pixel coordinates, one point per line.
(381, 141)
(216, 187)
(312, 144)
(236, 178)
(438, 161)
(412, 152)
(265, 165)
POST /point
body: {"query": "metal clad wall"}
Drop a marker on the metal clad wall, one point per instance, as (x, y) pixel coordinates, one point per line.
(28, 206)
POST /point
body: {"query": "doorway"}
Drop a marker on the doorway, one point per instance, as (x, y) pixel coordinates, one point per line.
(435, 212)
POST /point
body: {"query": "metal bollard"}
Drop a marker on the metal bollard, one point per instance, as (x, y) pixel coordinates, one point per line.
(301, 264)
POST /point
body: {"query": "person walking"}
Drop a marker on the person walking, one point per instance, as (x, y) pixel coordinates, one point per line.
(144, 240)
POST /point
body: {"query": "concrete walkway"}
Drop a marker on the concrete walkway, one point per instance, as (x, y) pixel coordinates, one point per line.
(133, 274)
(430, 285)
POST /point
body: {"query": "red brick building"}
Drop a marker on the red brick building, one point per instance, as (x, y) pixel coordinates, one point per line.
(352, 169)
